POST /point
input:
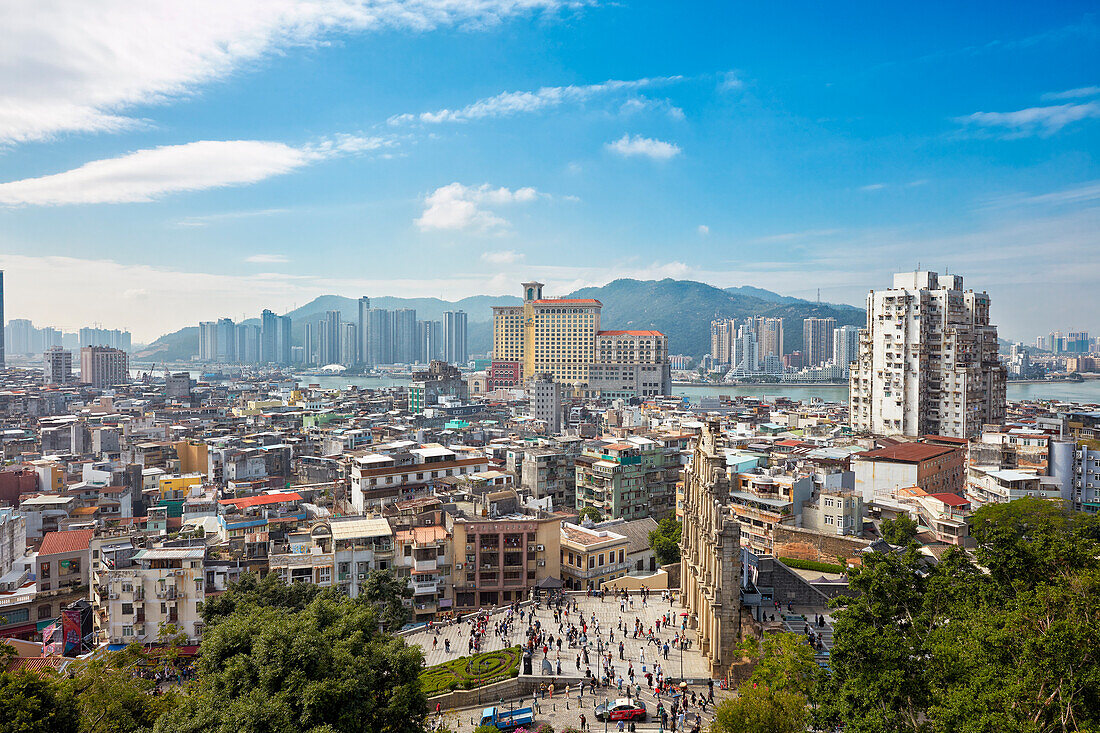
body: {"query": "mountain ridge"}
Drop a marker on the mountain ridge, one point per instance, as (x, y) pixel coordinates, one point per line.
(682, 309)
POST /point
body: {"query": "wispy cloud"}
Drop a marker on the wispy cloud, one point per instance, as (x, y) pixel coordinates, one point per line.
(502, 257)
(267, 259)
(1042, 121)
(1078, 93)
(147, 175)
(508, 104)
(703, 230)
(647, 147)
(458, 207)
(207, 219)
(80, 67)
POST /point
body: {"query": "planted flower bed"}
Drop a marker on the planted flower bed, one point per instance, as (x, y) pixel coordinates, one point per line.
(467, 673)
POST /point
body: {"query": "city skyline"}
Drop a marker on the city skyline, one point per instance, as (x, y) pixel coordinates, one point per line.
(277, 156)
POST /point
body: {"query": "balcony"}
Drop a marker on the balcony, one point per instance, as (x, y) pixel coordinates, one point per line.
(420, 589)
(425, 565)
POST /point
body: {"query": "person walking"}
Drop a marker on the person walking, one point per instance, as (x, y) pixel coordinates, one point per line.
(584, 723)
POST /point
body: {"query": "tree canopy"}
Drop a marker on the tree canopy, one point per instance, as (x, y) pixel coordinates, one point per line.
(665, 540)
(324, 667)
(1010, 643)
(899, 531)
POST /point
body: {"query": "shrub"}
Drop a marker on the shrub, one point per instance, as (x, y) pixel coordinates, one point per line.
(821, 567)
(469, 672)
(544, 728)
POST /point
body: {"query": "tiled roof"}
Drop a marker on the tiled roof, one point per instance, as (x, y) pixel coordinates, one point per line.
(261, 499)
(69, 541)
(908, 452)
(951, 499)
(37, 664)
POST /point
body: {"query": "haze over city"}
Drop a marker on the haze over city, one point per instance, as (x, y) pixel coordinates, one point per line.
(223, 159)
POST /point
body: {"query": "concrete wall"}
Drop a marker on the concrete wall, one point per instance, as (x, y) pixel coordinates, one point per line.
(806, 544)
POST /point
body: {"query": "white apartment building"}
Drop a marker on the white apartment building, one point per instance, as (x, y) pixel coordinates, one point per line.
(546, 402)
(928, 360)
(337, 552)
(378, 479)
(163, 585)
(1086, 479)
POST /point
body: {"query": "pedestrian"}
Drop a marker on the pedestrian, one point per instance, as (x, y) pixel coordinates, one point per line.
(584, 722)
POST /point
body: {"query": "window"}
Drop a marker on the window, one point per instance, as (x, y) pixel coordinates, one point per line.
(44, 570)
(44, 612)
(127, 609)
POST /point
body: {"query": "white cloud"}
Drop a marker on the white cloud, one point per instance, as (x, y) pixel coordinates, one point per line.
(703, 230)
(508, 104)
(267, 259)
(502, 257)
(146, 175)
(730, 82)
(873, 187)
(457, 207)
(81, 67)
(1079, 93)
(628, 146)
(1041, 121)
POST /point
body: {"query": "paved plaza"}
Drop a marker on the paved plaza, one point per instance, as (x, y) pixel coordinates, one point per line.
(608, 613)
(565, 707)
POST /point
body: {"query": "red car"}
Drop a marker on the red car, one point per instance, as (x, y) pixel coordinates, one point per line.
(621, 709)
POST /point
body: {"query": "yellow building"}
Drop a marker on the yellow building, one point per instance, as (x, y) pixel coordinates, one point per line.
(590, 557)
(193, 456)
(555, 336)
(176, 486)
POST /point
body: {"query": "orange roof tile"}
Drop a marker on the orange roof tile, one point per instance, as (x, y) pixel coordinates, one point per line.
(69, 541)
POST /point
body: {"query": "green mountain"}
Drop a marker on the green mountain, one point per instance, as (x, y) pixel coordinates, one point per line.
(682, 309)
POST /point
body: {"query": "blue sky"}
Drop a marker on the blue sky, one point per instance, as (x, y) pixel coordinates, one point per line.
(178, 162)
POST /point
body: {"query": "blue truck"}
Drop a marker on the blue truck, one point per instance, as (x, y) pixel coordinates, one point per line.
(506, 720)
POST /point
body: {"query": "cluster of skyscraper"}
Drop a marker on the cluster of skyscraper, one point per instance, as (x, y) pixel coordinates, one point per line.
(383, 337)
(23, 337)
(752, 346)
(232, 343)
(1074, 342)
(755, 345)
(378, 337)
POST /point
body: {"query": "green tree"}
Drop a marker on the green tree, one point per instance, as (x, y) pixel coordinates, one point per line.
(899, 531)
(783, 662)
(665, 540)
(111, 696)
(591, 513)
(385, 591)
(950, 646)
(1029, 540)
(252, 591)
(325, 668)
(761, 710)
(34, 703)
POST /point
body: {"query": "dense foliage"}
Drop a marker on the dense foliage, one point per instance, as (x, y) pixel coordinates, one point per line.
(287, 659)
(274, 658)
(665, 540)
(899, 531)
(775, 698)
(1013, 645)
